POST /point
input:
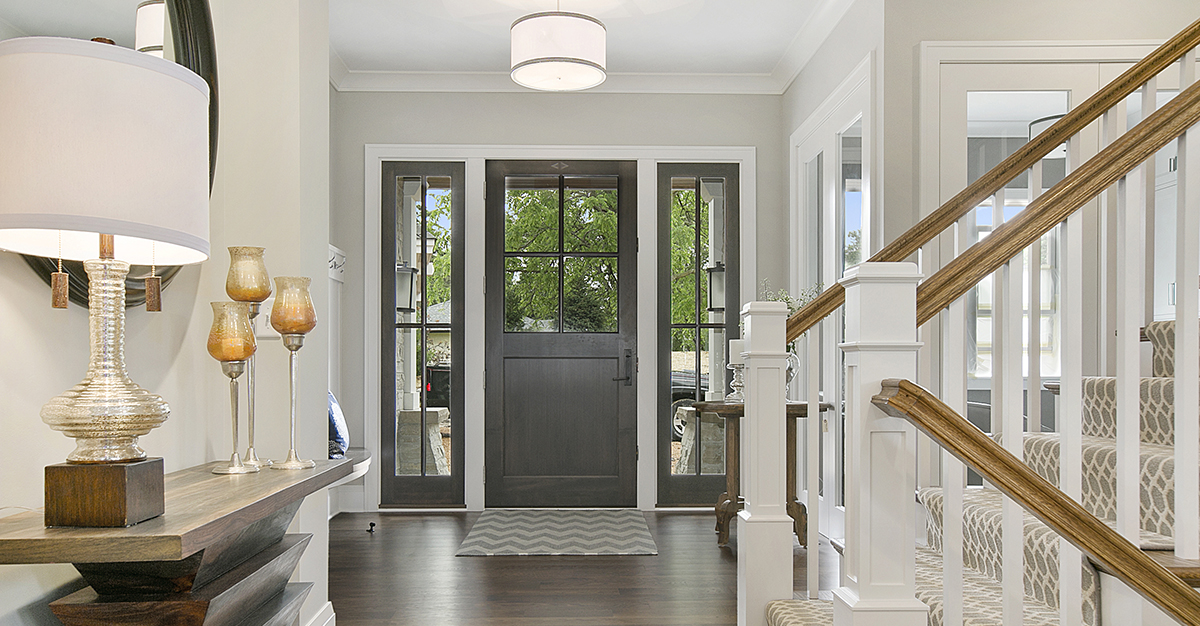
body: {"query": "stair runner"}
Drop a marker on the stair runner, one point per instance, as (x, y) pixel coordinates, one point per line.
(982, 507)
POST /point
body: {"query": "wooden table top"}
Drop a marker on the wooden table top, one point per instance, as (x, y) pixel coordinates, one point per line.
(736, 409)
(200, 508)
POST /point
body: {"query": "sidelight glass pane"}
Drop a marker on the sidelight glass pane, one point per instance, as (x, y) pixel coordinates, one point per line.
(436, 382)
(687, 252)
(590, 214)
(409, 381)
(435, 263)
(530, 294)
(590, 294)
(531, 214)
(698, 444)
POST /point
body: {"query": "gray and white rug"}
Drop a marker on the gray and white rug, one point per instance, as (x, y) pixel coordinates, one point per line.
(516, 532)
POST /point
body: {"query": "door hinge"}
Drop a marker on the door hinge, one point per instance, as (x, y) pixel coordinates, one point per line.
(485, 379)
(637, 453)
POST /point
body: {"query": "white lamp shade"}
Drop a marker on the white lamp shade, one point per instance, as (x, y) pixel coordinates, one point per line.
(99, 139)
(149, 31)
(558, 51)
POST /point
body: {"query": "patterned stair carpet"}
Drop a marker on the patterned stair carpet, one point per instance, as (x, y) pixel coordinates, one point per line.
(581, 532)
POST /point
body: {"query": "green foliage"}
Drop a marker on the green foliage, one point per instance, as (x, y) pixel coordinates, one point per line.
(589, 299)
(437, 285)
(686, 271)
(853, 252)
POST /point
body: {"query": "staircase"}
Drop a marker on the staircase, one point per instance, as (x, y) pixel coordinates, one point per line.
(982, 510)
(1114, 451)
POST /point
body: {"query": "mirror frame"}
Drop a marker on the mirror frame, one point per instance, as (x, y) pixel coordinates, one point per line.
(196, 49)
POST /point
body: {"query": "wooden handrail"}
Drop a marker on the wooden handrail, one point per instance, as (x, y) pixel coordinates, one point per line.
(905, 399)
(1035, 150)
(1079, 187)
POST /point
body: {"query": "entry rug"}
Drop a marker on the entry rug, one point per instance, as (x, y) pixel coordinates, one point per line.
(583, 532)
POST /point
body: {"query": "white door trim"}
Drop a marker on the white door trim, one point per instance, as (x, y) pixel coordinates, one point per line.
(475, 156)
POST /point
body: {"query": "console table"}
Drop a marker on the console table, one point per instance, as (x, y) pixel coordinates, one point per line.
(730, 502)
(220, 555)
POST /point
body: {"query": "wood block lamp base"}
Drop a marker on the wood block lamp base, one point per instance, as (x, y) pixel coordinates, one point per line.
(104, 494)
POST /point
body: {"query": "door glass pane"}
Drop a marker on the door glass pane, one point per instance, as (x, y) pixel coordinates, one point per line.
(435, 261)
(590, 214)
(409, 435)
(687, 249)
(686, 388)
(590, 294)
(530, 294)
(531, 214)
(851, 197)
(436, 382)
(408, 262)
(998, 123)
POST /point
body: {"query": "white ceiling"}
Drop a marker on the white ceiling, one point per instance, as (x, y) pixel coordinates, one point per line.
(655, 46)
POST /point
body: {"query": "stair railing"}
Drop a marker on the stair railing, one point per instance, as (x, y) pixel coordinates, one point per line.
(1121, 164)
(995, 179)
(907, 400)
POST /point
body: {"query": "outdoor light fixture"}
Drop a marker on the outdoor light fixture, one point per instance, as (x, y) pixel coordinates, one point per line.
(558, 51)
(716, 287)
(405, 287)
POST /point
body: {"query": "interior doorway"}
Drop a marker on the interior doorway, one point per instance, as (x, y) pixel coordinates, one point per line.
(561, 334)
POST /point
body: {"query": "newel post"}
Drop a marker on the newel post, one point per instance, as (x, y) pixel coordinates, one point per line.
(764, 530)
(881, 333)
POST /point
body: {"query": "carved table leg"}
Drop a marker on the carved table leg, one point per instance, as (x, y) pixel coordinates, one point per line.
(795, 508)
(729, 503)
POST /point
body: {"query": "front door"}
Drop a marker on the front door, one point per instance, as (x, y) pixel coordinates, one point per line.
(560, 377)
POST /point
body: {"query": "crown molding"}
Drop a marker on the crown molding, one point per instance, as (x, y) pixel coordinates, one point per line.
(499, 82)
(808, 40)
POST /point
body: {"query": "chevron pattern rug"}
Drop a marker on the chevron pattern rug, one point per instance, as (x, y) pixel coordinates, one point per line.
(527, 532)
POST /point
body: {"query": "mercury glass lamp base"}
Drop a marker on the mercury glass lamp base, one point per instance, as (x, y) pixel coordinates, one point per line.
(235, 467)
(253, 460)
(294, 462)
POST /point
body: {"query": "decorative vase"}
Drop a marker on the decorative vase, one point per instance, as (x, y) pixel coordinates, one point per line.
(293, 316)
(248, 282)
(107, 412)
(231, 341)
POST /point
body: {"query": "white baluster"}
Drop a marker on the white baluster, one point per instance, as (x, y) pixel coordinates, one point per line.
(1130, 317)
(1187, 334)
(1008, 415)
(1149, 106)
(878, 564)
(1034, 385)
(1070, 402)
(954, 473)
(763, 526)
(812, 458)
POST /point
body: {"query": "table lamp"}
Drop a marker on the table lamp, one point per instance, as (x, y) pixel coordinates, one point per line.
(103, 159)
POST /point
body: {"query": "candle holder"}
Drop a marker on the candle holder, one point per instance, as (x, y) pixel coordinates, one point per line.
(293, 316)
(737, 384)
(231, 341)
(248, 282)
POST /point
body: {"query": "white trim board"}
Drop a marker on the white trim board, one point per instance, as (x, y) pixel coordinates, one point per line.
(475, 157)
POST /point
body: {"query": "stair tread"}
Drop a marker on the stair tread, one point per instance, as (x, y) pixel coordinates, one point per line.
(981, 600)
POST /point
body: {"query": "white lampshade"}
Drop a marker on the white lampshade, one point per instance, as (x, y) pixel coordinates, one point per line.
(558, 51)
(149, 31)
(99, 139)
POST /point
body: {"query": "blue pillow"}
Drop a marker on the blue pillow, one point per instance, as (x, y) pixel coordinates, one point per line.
(339, 434)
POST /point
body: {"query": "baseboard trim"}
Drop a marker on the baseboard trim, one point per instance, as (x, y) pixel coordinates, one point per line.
(324, 617)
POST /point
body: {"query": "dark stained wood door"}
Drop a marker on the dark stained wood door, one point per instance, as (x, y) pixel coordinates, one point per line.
(561, 336)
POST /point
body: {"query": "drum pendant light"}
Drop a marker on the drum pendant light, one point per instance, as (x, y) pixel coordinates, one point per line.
(558, 51)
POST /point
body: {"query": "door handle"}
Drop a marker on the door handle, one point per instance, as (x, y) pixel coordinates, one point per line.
(628, 377)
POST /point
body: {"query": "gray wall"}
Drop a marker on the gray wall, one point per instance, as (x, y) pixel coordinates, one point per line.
(539, 119)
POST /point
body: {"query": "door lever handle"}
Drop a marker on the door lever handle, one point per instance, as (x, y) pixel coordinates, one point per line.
(628, 377)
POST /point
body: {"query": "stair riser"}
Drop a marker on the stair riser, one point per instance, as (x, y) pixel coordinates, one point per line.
(1157, 409)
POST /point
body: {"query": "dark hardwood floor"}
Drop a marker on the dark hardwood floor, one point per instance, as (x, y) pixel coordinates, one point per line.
(406, 573)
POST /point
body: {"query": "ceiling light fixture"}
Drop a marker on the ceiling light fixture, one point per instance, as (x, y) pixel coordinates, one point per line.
(558, 51)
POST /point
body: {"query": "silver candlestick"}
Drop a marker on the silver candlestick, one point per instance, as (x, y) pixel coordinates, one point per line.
(252, 456)
(293, 462)
(233, 369)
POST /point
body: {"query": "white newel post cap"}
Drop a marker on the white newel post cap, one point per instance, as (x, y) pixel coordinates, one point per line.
(770, 320)
(892, 283)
